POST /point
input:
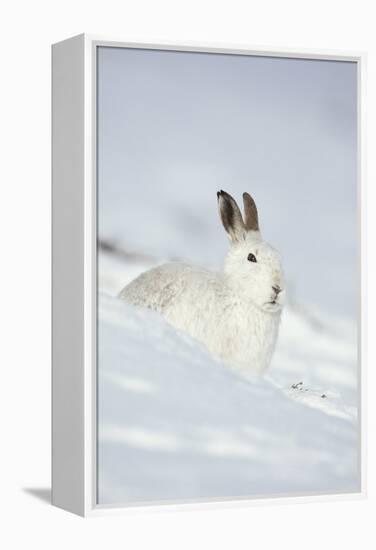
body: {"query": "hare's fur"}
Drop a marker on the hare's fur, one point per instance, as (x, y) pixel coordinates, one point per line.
(236, 314)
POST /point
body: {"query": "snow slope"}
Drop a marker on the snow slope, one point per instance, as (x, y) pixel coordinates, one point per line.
(176, 424)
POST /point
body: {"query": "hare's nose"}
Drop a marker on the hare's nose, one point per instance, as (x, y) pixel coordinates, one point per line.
(277, 289)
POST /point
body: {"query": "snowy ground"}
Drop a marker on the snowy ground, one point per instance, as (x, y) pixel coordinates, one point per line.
(176, 424)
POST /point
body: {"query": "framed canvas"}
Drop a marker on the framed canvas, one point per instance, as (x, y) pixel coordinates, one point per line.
(208, 299)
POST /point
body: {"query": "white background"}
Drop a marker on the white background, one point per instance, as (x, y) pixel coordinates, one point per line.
(27, 30)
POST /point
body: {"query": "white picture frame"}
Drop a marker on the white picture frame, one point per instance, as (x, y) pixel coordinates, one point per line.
(74, 284)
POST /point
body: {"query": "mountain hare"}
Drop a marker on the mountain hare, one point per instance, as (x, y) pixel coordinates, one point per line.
(236, 314)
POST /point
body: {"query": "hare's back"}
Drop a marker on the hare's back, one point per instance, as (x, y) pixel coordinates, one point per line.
(166, 285)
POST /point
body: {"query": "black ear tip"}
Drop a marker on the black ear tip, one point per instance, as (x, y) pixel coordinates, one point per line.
(223, 194)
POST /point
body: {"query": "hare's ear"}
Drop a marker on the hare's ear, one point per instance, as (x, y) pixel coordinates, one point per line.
(231, 216)
(250, 213)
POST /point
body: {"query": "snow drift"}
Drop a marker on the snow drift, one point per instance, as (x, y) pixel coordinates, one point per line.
(176, 424)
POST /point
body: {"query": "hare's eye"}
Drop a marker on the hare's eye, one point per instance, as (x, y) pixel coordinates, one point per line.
(252, 257)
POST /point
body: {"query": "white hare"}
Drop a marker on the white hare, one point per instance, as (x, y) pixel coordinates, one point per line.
(236, 314)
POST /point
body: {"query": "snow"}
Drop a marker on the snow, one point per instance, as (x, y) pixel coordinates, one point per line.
(176, 424)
